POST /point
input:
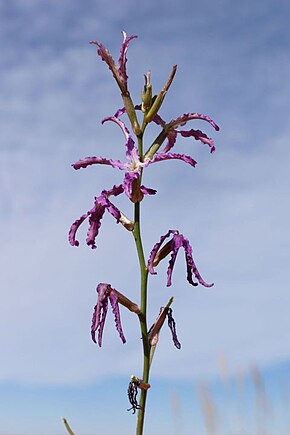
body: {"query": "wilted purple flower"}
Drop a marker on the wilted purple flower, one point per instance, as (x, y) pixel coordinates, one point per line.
(105, 293)
(172, 327)
(102, 203)
(173, 246)
(119, 73)
(153, 333)
(172, 130)
(134, 164)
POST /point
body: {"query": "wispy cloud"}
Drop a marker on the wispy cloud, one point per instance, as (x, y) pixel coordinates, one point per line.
(233, 65)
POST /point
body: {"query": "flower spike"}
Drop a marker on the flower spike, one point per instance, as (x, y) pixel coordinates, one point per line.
(105, 293)
(178, 241)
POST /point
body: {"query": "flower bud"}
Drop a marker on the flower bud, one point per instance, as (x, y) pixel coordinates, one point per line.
(146, 94)
(159, 99)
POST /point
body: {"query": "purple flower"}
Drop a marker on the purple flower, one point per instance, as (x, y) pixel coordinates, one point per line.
(119, 73)
(134, 165)
(177, 241)
(172, 130)
(102, 203)
(105, 293)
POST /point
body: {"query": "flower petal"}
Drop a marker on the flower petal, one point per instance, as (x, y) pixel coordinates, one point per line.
(123, 58)
(198, 135)
(147, 190)
(175, 246)
(183, 119)
(129, 179)
(100, 312)
(191, 267)
(155, 249)
(96, 214)
(129, 141)
(171, 139)
(88, 161)
(158, 157)
(73, 229)
(106, 56)
(115, 307)
(172, 327)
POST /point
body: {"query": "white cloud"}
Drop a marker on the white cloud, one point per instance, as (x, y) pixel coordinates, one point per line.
(235, 212)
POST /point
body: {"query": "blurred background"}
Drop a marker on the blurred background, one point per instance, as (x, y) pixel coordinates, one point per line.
(232, 374)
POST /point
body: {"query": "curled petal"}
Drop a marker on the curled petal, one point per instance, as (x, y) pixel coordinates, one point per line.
(170, 156)
(129, 178)
(96, 214)
(147, 190)
(115, 191)
(73, 229)
(171, 139)
(123, 58)
(115, 307)
(88, 161)
(100, 312)
(156, 248)
(191, 267)
(198, 135)
(129, 141)
(105, 55)
(175, 246)
(183, 119)
(172, 327)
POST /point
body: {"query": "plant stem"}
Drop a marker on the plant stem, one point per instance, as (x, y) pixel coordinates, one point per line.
(142, 318)
(143, 297)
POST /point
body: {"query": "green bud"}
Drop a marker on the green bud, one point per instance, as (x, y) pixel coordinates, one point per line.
(159, 99)
(146, 94)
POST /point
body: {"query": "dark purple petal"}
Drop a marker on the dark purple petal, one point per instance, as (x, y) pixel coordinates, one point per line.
(198, 135)
(115, 307)
(73, 229)
(172, 327)
(88, 161)
(155, 249)
(147, 190)
(96, 214)
(175, 246)
(121, 111)
(115, 191)
(158, 120)
(129, 178)
(105, 55)
(100, 312)
(171, 139)
(159, 157)
(129, 141)
(191, 267)
(183, 119)
(123, 58)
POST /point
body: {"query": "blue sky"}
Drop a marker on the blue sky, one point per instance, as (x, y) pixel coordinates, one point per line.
(233, 64)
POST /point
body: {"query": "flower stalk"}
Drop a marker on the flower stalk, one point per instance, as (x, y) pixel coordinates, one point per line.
(136, 162)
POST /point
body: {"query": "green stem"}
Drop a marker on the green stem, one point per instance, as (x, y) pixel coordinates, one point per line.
(142, 318)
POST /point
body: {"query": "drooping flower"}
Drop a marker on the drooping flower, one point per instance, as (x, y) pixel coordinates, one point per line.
(105, 293)
(153, 333)
(102, 203)
(177, 241)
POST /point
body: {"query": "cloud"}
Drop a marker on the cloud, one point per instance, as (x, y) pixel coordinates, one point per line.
(233, 206)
